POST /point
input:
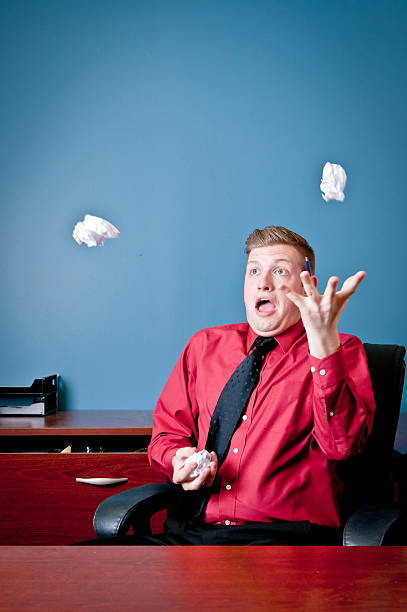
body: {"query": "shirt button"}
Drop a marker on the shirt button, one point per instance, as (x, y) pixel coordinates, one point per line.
(227, 522)
(331, 413)
(244, 417)
(322, 372)
(235, 450)
(228, 487)
(312, 369)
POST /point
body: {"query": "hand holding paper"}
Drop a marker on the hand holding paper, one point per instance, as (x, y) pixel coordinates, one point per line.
(202, 459)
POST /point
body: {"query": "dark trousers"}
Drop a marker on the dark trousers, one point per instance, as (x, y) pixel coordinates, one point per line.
(279, 533)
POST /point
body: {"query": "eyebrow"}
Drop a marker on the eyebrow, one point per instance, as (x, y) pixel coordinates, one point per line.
(258, 263)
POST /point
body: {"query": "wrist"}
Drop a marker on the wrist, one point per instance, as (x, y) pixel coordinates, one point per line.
(323, 345)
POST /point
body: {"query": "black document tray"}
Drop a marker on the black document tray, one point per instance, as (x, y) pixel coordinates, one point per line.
(41, 398)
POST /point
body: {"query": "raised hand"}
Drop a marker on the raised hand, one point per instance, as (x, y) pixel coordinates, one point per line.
(320, 313)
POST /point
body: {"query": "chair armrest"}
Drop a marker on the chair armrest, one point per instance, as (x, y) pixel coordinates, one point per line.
(117, 513)
(369, 525)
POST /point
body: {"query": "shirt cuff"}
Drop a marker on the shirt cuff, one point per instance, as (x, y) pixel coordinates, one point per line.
(168, 457)
(328, 371)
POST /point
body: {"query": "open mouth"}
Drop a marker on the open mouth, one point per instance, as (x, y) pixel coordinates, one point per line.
(264, 305)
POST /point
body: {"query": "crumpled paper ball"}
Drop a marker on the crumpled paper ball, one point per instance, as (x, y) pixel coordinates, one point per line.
(333, 182)
(93, 231)
(202, 458)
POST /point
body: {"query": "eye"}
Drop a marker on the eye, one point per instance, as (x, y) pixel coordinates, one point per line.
(280, 272)
(253, 271)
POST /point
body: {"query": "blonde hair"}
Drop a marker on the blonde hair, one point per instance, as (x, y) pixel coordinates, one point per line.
(275, 234)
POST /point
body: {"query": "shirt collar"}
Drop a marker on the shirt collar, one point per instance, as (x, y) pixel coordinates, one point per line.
(285, 340)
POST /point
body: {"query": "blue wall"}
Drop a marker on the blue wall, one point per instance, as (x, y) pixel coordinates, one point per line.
(187, 124)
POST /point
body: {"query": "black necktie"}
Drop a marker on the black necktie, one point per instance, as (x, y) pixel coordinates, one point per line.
(225, 419)
(234, 398)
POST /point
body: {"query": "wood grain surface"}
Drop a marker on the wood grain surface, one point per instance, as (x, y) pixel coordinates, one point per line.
(79, 423)
(203, 578)
(41, 502)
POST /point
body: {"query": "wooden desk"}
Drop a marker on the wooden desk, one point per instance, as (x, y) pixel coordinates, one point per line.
(203, 578)
(79, 423)
(40, 500)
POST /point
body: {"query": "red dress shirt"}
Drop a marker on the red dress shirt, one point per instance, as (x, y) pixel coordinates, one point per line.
(304, 415)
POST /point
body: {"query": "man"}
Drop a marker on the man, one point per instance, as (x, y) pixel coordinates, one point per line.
(312, 407)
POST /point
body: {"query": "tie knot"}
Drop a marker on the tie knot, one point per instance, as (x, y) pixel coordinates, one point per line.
(265, 344)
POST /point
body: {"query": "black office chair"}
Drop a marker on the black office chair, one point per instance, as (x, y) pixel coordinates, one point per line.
(369, 514)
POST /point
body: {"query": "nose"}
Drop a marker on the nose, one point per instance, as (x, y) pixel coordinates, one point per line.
(266, 282)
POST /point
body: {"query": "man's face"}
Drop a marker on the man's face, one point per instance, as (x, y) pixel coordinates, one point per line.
(269, 311)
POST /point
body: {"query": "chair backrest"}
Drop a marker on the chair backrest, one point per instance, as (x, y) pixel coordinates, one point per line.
(366, 477)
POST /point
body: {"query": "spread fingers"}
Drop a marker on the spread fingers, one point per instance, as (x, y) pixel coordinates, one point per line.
(308, 284)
